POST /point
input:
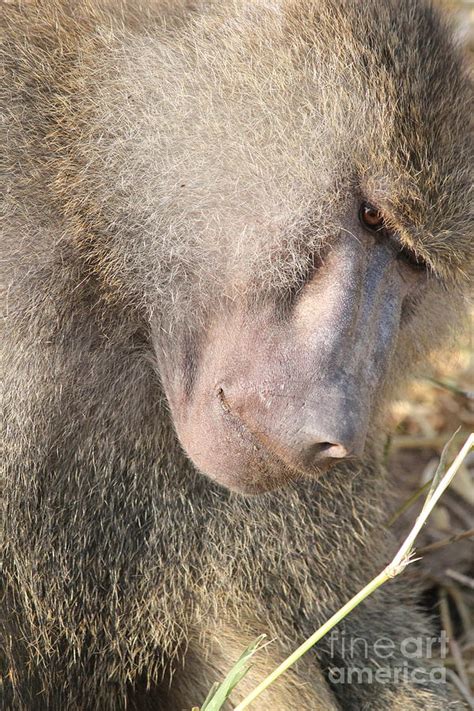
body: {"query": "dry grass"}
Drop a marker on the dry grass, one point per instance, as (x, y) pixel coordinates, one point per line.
(423, 423)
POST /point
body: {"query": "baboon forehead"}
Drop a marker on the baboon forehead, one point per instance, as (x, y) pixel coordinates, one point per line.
(256, 124)
(321, 79)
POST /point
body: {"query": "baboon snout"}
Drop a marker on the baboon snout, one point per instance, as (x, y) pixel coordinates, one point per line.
(305, 433)
(278, 392)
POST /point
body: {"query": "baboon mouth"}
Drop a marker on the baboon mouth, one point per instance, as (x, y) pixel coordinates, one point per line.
(246, 460)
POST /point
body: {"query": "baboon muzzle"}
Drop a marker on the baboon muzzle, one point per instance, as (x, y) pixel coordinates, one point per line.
(280, 397)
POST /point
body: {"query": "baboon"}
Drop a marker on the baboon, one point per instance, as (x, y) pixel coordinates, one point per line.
(233, 228)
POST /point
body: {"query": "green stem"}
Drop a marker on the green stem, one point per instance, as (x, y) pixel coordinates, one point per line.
(307, 644)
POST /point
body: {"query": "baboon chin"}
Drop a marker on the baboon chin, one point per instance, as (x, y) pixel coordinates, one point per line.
(232, 231)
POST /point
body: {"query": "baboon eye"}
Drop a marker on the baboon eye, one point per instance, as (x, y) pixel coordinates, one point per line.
(370, 217)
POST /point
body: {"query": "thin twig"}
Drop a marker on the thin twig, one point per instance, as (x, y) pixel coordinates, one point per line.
(462, 608)
(453, 645)
(413, 442)
(462, 689)
(464, 579)
(409, 503)
(445, 542)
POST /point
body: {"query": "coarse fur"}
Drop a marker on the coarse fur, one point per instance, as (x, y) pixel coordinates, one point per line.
(164, 159)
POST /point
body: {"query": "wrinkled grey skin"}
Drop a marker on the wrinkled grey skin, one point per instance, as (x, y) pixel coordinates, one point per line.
(195, 314)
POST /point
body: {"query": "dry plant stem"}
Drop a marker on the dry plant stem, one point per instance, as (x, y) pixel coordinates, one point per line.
(445, 542)
(406, 548)
(409, 503)
(462, 689)
(416, 442)
(462, 607)
(398, 564)
(463, 579)
(426, 487)
(453, 645)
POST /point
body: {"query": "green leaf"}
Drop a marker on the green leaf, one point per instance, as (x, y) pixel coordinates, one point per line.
(221, 692)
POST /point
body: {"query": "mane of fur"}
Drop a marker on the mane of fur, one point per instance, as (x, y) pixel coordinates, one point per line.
(163, 157)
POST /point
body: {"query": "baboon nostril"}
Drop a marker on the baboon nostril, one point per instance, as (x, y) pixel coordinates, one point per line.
(326, 450)
(304, 446)
(222, 400)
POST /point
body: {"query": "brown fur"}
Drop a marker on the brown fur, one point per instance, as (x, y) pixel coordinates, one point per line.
(163, 159)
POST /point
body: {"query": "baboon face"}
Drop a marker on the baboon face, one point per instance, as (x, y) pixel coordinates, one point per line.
(298, 186)
(284, 385)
